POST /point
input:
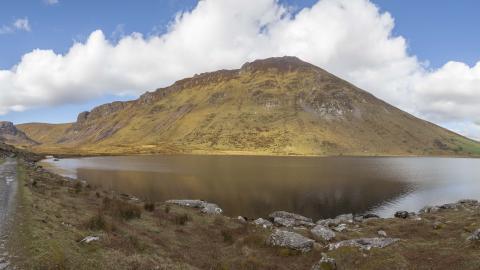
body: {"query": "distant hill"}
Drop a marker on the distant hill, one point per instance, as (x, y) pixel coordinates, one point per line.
(280, 106)
(9, 134)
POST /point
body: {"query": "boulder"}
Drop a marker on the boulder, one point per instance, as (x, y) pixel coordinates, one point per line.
(325, 263)
(475, 236)
(290, 240)
(364, 243)
(345, 218)
(382, 233)
(340, 228)
(430, 209)
(287, 219)
(211, 208)
(402, 214)
(206, 207)
(450, 206)
(263, 223)
(321, 232)
(468, 201)
(367, 216)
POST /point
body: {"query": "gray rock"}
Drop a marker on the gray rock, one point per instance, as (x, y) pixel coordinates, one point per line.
(290, 240)
(345, 218)
(325, 263)
(263, 223)
(188, 203)
(211, 208)
(242, 219)
(322, 233)
(402, 214)
(437, 225)
(287, 219)
(368, 216)
(206, 207)
(382, 233)
(475, 236)
(430, 209)
(450, 206)
(364, 243)
(340, 228)
(468, 201)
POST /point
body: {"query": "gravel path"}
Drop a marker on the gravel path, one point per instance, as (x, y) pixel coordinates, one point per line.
(8, 188)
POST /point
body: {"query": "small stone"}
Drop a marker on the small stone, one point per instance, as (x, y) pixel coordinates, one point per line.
(325, 263)
(382, 233)
(290, 240)
(437, 225)
(242, 219)
(322, 233)
(89, 239)
(475, 236)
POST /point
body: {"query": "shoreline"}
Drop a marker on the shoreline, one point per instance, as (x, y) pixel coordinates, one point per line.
(57, 215)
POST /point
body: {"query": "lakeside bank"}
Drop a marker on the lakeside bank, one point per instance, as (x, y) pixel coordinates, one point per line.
(56, 216)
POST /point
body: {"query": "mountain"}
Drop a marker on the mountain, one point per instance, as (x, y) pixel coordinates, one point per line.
(11, 135)
(280, 106)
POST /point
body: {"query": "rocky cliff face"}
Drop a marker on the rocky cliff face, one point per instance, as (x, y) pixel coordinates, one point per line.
(272, 106)
(11, 135)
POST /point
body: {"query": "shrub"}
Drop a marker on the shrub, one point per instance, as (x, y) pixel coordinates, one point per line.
(121, 209)
(167, 209)
(78, 186)
(227, 236)
(182, 219)
(99, 222)
(150, 207)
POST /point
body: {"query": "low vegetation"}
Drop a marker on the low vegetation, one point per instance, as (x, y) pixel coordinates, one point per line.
(55, 217)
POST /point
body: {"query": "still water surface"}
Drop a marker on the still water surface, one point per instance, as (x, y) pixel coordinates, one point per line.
(316, 187)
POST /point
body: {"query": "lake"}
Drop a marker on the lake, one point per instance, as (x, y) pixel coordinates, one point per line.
(254, 186)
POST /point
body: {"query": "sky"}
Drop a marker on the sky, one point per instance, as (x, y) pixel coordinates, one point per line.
(61, 57)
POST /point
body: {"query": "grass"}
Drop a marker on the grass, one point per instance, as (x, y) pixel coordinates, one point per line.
(51, 220)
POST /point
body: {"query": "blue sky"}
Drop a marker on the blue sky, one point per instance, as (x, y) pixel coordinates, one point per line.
(436, 32)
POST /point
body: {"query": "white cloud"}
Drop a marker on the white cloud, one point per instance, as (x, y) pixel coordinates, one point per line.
(17, 25)
(350, 38)
(51, 2)
(22, 24)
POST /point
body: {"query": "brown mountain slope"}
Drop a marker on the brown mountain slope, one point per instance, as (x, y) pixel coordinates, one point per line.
(273, 106)
(11, 135)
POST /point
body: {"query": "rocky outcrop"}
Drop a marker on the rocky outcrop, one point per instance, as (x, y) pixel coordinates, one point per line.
(206, 207)
(322, 233)
(345, 218)
(11, 135)
(287, 219)
(290, 240)
(263, 223)
(364, 243)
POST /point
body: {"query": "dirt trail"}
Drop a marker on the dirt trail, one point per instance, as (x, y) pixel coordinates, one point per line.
(8, 188)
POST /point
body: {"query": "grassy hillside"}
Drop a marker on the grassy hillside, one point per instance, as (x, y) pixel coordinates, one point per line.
(280, 106)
